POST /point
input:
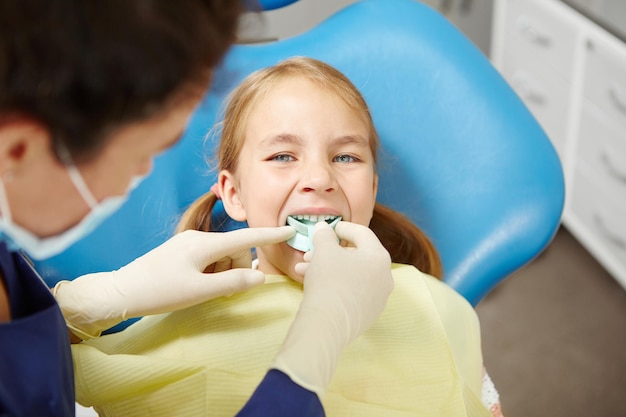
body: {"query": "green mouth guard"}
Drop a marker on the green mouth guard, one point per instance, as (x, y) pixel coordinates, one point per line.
(303, 239)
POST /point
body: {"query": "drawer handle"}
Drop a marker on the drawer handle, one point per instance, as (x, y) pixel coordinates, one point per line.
(524, 86)
(531, 32)
(617, 98)
(601, 227)
(605, 157)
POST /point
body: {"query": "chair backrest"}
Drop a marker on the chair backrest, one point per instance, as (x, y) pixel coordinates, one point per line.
(462, 156)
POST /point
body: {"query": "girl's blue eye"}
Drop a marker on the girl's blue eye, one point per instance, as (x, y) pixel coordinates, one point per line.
(345, 158)
(282, 158)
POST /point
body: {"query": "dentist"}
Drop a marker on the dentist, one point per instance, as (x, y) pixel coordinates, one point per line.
(90, 92)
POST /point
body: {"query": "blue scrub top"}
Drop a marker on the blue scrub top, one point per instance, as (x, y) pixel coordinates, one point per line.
(36, 375)
(278, 396)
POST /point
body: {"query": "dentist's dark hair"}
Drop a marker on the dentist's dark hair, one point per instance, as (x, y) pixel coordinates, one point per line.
(84, 68)
(405, 242)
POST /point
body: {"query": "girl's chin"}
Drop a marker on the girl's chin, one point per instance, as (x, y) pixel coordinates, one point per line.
(286, 260)
(291, 258)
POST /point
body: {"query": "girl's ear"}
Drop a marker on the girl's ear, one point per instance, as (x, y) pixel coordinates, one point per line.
(231, 198)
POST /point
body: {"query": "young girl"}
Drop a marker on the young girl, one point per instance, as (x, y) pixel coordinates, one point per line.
(298, 145)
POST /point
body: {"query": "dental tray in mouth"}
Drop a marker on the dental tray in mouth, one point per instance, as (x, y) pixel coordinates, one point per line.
(304, 224)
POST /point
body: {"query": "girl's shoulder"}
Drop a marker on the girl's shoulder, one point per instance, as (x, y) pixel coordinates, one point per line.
(442, 293)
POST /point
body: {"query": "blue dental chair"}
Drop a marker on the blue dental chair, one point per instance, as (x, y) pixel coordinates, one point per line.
(462, 156)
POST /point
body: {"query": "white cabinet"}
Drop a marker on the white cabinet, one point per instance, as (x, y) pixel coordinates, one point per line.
(571, 74)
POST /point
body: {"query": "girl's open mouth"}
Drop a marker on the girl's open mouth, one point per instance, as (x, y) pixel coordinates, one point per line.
(304, 224)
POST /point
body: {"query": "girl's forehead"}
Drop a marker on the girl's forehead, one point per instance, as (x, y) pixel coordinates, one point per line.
(289, 98)
(299, 90)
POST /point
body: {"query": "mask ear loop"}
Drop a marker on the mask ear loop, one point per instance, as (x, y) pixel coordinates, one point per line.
(76, 177)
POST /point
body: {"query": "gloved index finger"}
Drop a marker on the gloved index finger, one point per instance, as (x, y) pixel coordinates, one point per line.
(230, 243)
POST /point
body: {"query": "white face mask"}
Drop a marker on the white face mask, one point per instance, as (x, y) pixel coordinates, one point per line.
(39, 248)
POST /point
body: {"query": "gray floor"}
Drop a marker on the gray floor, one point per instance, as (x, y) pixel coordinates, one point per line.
(554, 336)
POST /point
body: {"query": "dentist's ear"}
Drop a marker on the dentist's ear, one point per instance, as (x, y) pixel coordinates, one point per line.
(231, 198)
(21, 140)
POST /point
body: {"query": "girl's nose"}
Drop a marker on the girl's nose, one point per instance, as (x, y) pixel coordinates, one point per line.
(318, 177)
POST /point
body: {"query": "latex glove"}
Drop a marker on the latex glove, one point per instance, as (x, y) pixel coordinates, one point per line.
(345, 290)
(170, 277)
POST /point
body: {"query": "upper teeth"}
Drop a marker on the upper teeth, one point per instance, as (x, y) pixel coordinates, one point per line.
(314, 218)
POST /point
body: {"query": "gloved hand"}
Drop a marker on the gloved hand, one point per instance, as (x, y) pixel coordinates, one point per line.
(170, 277)
(345, 290)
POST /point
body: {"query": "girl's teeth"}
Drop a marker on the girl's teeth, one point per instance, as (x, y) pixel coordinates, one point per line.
(314, 218)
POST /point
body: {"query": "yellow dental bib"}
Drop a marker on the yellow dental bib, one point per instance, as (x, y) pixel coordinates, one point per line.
(421, 358)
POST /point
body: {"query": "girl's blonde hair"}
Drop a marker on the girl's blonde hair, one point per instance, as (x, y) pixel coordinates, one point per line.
(405, 242)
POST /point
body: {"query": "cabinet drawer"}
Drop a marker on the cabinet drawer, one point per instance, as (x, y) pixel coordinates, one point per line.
(602, 215)
(605, 79)
(602, 147)
(545, 95)
(536, 32)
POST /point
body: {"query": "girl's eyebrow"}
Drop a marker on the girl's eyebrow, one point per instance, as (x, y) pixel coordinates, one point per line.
(280, 139)
(351, 140)
(289, 139)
